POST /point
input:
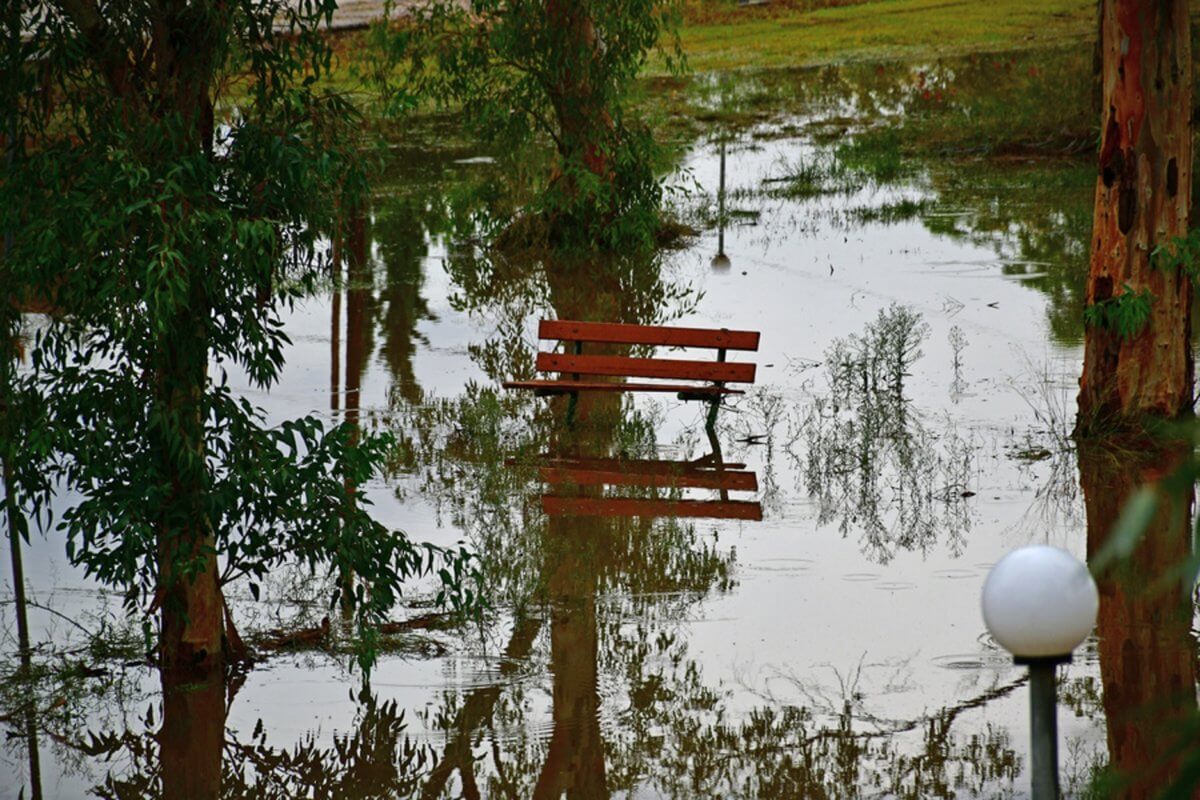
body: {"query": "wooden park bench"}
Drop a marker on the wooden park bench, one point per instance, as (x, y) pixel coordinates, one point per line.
(581, 371)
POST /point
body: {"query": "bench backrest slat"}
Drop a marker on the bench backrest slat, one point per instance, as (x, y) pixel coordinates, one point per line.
(720, 371)
(554, 506)
(657, 335)
(692, 478)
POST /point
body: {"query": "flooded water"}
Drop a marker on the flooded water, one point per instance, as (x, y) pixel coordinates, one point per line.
(786, 608)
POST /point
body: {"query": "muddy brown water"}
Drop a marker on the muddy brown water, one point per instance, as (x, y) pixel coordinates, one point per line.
(905, 431)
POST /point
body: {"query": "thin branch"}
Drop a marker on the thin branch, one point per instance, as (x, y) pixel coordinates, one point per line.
(59, 614)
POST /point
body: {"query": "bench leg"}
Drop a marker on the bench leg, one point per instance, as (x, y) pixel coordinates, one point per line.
(572, 401)
(713, 407)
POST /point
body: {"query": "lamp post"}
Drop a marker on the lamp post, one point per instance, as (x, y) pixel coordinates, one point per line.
(720, 262)
(1040, 603)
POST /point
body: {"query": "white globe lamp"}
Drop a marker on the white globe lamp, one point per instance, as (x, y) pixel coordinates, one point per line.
(1040, 603)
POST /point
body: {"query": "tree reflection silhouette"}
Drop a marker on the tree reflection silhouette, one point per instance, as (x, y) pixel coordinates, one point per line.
(193, 757)
(1147, 647)
(865, 455)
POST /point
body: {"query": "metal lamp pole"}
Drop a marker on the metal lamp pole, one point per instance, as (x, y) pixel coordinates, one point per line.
(1043, 724)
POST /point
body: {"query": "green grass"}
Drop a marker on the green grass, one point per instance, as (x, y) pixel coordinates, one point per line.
(720, 37)
(883, 29)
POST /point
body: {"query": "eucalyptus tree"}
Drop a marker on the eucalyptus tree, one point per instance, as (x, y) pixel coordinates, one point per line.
(556, 70)
(176, 166)
(1138, 356)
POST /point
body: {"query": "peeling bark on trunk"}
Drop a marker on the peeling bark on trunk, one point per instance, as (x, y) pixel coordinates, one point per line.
(1147, 656)
(1142, 198)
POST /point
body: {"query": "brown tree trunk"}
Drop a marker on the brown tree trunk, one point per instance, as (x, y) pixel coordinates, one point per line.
(583, 120)
(1147, 655)
(192, 607)
(192, 613)
(1142, 199)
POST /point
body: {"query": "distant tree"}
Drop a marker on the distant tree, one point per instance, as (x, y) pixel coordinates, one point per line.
(176, 166)
(1138, 359)
(557, 69)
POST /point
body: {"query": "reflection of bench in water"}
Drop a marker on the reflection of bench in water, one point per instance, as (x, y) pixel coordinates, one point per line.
(702, 474)
(593, 372)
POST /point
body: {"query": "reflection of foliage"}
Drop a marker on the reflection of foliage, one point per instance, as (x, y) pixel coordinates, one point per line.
(868, 460)
(1037, 219)
(462, 445)
(374, 760)
(65, 694)
(788, 752)
(619, 287)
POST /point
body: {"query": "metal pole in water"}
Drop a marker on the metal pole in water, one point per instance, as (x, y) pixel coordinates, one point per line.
(1043, 715)
(721, 206)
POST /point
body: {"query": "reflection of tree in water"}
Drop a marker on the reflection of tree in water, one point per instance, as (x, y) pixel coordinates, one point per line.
(1037, 219)
(401, 229)
(192, 756)
(1147, 647)
(790, 752)
(420, 200)
(1034, 212)
(867, 457)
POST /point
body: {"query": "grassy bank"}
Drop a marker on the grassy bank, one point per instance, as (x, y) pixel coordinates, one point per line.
(720, 35)
(723, 36)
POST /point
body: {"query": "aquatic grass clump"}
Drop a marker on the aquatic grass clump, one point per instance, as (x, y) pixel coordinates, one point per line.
(812, 175)
(892, 213)
(876, 154)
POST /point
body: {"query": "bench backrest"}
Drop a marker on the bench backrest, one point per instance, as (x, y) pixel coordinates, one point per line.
(555, 506)
(719, 339)
(676, 476)
(657, 335)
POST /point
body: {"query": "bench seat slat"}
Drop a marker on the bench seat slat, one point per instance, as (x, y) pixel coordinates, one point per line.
(696, 479)
(726, 371)
(634, 507)
(565, 387)
(623, 333)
